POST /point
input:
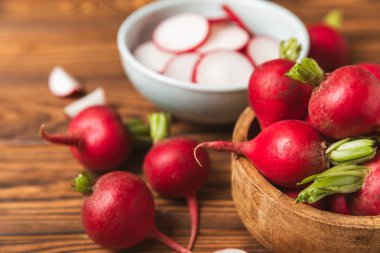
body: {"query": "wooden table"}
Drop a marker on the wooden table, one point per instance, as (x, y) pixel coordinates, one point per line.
(38, 210)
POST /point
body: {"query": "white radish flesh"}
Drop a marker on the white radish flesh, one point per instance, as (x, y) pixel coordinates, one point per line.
(152, 57)
(224, 68)
(181, 33)
(230, 251)
(181, 67)
(263, 48)
(235, 17)
(62, 84)
(97, 97)
(225, 36)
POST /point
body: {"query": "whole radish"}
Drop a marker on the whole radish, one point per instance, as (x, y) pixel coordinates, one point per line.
(171, 170)
(288, 151)
(362, 180)
(344, 103)
(327, 44)
(118, 211)
(338, 204)
(293, 193)
(274, 96)
(97, 138)
(371, 67)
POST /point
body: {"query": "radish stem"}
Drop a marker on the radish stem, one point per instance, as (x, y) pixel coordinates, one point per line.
(290, 49)
(334, 19)
(158, 235)
(83, 183)
(159, 126)
(307, 71)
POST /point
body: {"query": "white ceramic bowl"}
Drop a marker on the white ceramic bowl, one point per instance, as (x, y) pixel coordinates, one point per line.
(201, 103)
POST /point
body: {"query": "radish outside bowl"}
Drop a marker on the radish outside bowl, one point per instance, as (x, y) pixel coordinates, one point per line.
(201, 103)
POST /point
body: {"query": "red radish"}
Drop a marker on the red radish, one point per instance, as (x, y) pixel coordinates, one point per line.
(118, 211)
(170, 169)
(262, 48)
(97, 138)
(182, 67)
(219, 20)
(235, 17)
(181, 33)
(95, 98)
(307, 119)
(371, 67)
(321, 205)
(224, 68)
(274, 96)
(333, 106)
(230, 251)
(152, 57)
(224, 36)
(327, 44)
(338, 204)
(348, 178)
(62, 84)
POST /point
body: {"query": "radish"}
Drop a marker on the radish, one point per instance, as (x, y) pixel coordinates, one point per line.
(182, 67)
(321, 204)
(95, 98)
(272, 95)
(152, 57)
(230, 251)
(262, 48)
(327, 45)
(338, 204)
(288, 150)
(235, 17)
(333, 106)
(62, 84)
(224, 36)
(371, 67)
(219, 20)
(224, 68)
(118, 211)
(348, 178)
(181, 33)
(97, 138)
(170, 168)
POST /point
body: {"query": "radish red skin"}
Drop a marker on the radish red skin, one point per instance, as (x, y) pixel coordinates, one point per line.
(328, 47)
(274, 96)
(338, 204)
(170, 168)
(371, 67)
(120, 212)
(321, 205)
(346, 103)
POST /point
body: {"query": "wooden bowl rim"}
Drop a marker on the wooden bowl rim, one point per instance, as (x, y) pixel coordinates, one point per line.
(256, 179)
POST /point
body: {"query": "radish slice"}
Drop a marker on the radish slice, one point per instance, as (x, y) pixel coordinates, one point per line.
(232, 14)
(230, 251)
(219, 20)
(224, 36)
(181, 33)
(181, 67)
(224, 68)
(263, 48)
(97, 97)
(152, 57)
(62, 84)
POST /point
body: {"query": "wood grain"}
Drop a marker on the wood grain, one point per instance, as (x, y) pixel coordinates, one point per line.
(38, 210)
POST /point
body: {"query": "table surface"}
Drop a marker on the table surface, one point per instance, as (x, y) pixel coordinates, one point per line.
(38, 210)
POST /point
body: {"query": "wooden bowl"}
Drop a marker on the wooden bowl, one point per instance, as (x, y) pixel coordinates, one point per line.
(282, 226)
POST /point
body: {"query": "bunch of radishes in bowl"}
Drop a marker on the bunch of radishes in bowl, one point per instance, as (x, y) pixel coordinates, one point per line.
(194, 48)
(319, 131)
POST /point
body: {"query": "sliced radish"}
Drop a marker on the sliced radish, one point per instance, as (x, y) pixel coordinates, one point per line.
(62, 84)
(230, 251)
(219, 20)
(225, 36)
(152, 57)
(262, 48)
(226, 68)
(181, 67)
(97, 97)
(235, 17)
(181, 33)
